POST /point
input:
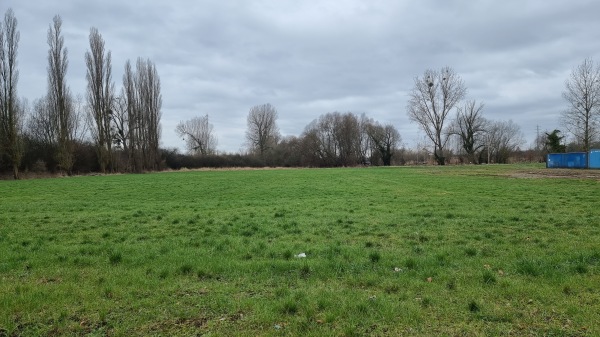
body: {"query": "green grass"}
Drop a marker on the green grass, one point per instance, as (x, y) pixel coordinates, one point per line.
(389, 251)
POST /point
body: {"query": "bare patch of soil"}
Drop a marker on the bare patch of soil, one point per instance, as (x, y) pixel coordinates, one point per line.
(557, 173)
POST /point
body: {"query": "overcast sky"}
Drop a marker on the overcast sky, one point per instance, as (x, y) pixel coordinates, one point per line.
(308, 58)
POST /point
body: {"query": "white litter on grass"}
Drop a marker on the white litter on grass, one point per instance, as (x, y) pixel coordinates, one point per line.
(397, 270)
(301, 255)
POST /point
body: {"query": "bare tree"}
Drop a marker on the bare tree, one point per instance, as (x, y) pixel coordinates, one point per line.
(366, 144)
(59, 97)
(317, 144)
(11, 109)
(334, 139)
(134, 117)
(385, 140)
(582, 117)
(120, 122)
(431, 100)
(262, 133)
(347, 138)
(150, 104)
(288, 152)
(198, 135)
(40, 124)
(503, 138)
(100, 92)
(469, 126)
(143, 103)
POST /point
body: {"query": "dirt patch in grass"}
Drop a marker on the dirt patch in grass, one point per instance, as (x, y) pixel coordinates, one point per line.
(557, 173)
(176, 325)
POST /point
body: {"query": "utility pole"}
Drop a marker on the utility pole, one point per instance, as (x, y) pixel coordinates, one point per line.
(538, 150)
(537, 138)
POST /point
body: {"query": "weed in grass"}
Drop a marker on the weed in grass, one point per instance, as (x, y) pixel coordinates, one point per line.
(470, 251)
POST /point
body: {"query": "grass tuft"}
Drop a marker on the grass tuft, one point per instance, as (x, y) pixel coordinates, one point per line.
(489, 277)
(289, 307)
(529, 267)
(186, 269)
(374, 257)
(115, 257)
(474, 307)
(470, 251)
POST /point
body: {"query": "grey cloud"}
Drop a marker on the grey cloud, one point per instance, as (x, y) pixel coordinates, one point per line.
(310, 58)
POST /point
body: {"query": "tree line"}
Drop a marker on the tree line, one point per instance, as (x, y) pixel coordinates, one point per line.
(110, 130)
(347, 139)
(103, 131)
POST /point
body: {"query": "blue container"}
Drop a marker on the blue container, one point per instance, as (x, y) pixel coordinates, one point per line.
(554, 160)
(595, 159)
(567, 160)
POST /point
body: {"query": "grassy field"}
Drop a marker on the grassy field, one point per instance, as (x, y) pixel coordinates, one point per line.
(471, 251)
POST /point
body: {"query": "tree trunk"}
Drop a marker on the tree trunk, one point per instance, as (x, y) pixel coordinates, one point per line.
(440, 159)
(16, 171)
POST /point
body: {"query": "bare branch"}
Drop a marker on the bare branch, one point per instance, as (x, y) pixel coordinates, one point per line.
(198, 135)
(582, 93)
(431, 100)
(262, 133)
